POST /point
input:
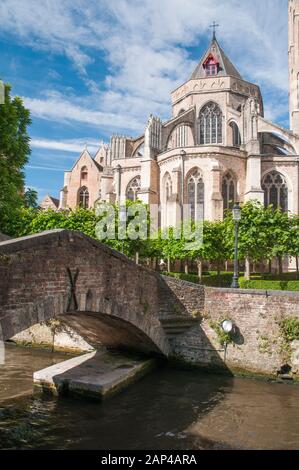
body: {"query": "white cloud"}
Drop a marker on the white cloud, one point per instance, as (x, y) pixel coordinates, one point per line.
(68, 145)
(45, 168)
(58, 108)
(143, 43)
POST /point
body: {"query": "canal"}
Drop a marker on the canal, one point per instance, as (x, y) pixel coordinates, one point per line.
(167, 409)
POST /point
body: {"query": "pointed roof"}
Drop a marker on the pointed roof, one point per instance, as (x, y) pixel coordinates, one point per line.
(85, 153)
(226, 68)
(51, 199)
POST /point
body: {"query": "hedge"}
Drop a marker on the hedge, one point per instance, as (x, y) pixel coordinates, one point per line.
(212, 280)
(225, 280)
(184, 277)
(264, 284)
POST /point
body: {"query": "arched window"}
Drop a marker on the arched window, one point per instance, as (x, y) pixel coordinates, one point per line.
(275, 188)
(196, 195)
(228, 191)
(84, 173)
(181, 136)
(236, 136)
(84, 197)
(133, 188)
(210, 124)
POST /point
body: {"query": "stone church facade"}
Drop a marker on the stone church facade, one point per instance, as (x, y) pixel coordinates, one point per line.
(217, 148)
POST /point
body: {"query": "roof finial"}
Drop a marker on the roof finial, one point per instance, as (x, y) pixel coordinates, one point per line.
(214, 26)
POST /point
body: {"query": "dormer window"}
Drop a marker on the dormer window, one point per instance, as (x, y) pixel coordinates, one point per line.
(211, 66)
(211, 70)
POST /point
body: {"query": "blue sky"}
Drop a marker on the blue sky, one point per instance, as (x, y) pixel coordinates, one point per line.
(87, 69)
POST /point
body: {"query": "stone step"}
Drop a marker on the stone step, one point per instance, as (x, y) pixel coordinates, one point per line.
(174, 325)
(92, 375)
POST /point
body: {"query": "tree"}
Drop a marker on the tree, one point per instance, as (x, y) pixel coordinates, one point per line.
(216, 247)
(253, 234)
(130, 225)
(293, 241)
(14, 152)
(279, 229)
(31, 198)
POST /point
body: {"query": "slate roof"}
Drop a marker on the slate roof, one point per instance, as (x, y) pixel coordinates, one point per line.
(226, 67)
(54, 200)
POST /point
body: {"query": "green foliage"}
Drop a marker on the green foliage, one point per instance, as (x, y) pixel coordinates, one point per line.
(265, 284)
(14, 152)
(223, 337)
(219, 280)
(290, 329)
(184, 277)
(31, 198)
(263, 232)
(211, 280)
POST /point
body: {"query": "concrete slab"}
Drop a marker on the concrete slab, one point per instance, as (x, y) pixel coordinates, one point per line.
(94, 375)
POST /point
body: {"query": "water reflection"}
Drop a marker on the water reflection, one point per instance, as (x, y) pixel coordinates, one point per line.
(171, 409)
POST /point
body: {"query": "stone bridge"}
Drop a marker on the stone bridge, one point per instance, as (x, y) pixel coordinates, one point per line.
(97, 291)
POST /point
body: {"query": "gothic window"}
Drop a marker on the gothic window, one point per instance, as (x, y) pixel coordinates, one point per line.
(236, 137)
(133, 188)
(84, 173)
(196, 195)
(276, 191)
(181, 136)
(84, 197)
(210, 124)
(228, 191)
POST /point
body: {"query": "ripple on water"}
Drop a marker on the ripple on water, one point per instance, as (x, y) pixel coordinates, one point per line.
(169, 408)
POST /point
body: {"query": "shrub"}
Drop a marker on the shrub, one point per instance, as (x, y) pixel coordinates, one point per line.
(290, 329)
(264, 284)
(184, 277)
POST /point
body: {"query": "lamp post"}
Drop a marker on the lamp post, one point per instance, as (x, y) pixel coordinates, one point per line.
(183, 155)
(236, 219)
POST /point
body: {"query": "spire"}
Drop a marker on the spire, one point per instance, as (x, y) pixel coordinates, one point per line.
(214, 26)
(215, 55)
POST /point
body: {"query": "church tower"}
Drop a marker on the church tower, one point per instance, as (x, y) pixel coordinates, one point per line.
(294, 64)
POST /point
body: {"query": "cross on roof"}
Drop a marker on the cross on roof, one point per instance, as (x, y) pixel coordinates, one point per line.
(214, 26)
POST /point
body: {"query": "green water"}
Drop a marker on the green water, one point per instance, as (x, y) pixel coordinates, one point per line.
(167, 409)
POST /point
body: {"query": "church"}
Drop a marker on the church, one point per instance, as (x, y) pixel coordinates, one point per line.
(217, 148)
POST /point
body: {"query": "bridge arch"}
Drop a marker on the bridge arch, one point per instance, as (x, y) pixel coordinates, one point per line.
(102, 294)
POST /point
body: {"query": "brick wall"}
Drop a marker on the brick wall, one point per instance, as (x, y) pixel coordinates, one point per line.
(121, 304)
(258, 346)
(35, 286)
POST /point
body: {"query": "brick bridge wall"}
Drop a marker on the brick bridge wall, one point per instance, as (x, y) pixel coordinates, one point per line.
(258, 346)
(119, 304)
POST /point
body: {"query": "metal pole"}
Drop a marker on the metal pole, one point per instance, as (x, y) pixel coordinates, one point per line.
(235, 283)
(182, 185)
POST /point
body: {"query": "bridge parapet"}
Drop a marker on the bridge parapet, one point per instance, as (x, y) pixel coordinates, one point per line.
(96, 290)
